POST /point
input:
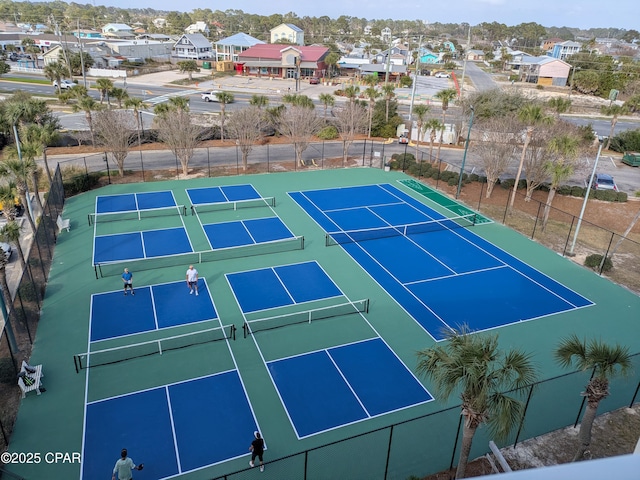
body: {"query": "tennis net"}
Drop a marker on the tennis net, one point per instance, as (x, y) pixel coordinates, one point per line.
(109, 356)
(306, 316)
(354, 236)
(136, 214)
(233, 205)
(264, 248)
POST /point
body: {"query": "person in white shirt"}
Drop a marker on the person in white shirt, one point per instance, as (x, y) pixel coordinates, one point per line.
(124, 466)
(192, 280)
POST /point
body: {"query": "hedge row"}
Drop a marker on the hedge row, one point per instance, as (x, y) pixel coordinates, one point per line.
(407, 162)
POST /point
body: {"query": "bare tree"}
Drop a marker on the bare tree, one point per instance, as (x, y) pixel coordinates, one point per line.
(495, 147)
(535, 158)
(115, 131)
(245, 125)
(299, 123)
(351, 119)
(180, 134)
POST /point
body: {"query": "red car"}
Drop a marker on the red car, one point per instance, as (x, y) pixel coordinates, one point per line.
(314, 80)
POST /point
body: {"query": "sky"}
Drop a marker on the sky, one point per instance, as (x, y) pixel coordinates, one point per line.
(582, 14)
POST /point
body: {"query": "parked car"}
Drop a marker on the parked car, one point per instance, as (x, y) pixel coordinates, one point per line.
(6, 248)
(13, 57)
(603, 181)
(64, 84)
(403, 139)
(314, 81)
(442, 75)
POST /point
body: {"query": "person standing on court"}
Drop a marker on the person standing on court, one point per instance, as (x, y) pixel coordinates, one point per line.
(192, 280)
(127, 278)
(124, 466)
(257, 450)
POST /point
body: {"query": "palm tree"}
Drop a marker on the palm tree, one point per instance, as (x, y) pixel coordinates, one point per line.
(87, 104)
(606, 361)
(259, 101)
(17, 171)
(179, 103)
(4, 286)
(563, 150)
(433, 126)
(43, 135)
(559, 105)
(388, 92)
(328, 100)
(445, 96)
(372, 94)
(8, 193)
(352, 92)
(104, 86)
(473, 365)
(420, 111)
(613, 111)
(55, 71)
(223, 99)
(29, 149)
(119, 94)
(10, 233)
(531, 115)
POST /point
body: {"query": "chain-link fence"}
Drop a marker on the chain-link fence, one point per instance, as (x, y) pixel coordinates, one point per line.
(431, 443)
(22, 313)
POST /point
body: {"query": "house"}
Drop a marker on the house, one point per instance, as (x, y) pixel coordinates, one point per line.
(385, 34)
(563, 50)
(228, 49)
(288, 32)
(138, 49)
(98, 52)
(428, 57)
(86, 33)
(399, 55)
(282, 61)
(116, 27)
(367, 30)
(395, 71)
(159, 22)
(475, 55)
(548, 44)
(198, 27)
(542, 70)
(158, 37)
(193, 46)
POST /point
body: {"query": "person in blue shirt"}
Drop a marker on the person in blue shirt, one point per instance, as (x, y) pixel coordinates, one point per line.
(127, 278)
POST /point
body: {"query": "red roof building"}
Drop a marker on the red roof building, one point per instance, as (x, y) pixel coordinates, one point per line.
(282, 61)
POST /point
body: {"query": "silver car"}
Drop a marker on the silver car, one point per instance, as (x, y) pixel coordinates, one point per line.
(6, 248)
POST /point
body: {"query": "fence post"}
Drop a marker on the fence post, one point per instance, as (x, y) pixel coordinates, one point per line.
(306, 463)
(208, 164)
(386, 467)
(322, 154)
(237, 161)
(364, 151)
(535, 224)
(633, 400)
(481, 192)
(455, 445)
(564, 251)
(524, 414)
(606, 254)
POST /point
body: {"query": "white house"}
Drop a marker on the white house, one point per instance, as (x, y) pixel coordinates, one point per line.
(193, 46)
(198, 27)
(117, 27)
(288, 32)
(229, 48)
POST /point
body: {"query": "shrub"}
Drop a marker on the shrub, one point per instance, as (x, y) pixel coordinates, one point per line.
(452, 181)
(80, 183)
(594, 260)
(328, 133)
(508, 183)
(475, 178)
(540, 87)
(483, 179)
(606, 195)
(406, 81)
(621, 197)
(435, 174)
(577, 191)
(564, 190)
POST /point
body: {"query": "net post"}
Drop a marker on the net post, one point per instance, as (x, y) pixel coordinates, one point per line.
(89, 219)
(75, 363)
(232, 333)
(95, 269)
(183, 210)
(159, 347)
(245, 327)
(193, 210)
(366, 306)
(309, 316)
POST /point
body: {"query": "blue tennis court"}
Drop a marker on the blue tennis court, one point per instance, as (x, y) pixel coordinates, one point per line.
(338, 386)
(223, 194)
(246, 232)
(134, 201)
(266, 288)
(137, 245)
(443, 276)
(153, 307)
(173, 429)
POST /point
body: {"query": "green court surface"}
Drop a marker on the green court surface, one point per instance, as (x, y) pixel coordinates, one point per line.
(54, 421)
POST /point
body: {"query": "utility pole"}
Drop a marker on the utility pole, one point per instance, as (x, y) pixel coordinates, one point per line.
(386, 75)
(84, 75)
(415, 77)
(63, 45)
(464, 63)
